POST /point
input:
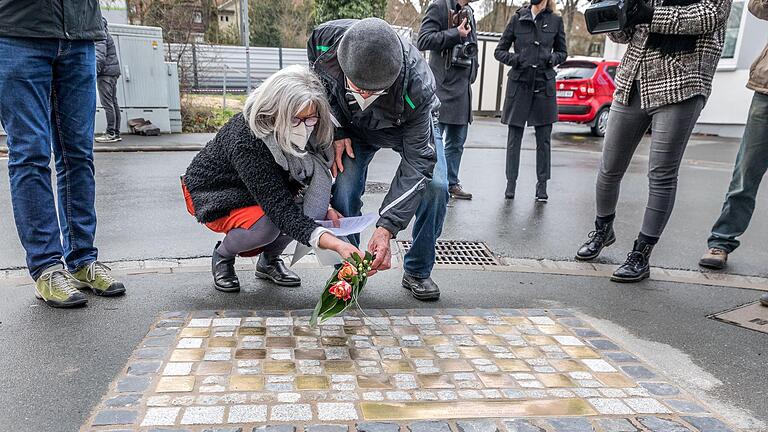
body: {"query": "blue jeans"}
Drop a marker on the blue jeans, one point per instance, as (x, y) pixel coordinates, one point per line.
(350, 186)
(48, 102)
(751, 165)
(454, 137)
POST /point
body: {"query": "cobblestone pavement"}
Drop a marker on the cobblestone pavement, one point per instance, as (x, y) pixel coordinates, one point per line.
(411, 370)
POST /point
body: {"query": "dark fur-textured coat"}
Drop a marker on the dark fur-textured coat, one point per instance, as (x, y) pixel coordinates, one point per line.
(235, 170)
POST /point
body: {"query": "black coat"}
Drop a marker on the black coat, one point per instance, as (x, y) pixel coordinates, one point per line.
(56, 19)
(538, 47)
(453, 83)
(107, 63)
(236, 170)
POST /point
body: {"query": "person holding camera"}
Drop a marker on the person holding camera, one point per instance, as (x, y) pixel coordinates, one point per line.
(536, 31)
(382, 94)
(448, 32)
(663, 82)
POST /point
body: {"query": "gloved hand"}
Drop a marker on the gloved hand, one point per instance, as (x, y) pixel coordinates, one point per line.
(640, 12)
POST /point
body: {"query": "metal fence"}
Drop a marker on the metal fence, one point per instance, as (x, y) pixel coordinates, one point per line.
(221, 68)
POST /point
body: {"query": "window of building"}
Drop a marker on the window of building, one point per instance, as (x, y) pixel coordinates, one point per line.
(227, 19)
(197, 17)
(732, 29)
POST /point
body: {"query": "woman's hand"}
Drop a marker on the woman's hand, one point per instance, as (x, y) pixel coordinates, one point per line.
(344, 249)
(334, 216)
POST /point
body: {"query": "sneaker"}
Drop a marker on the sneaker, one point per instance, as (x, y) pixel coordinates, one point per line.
(98, 278)
(541, 192)
(458, 193)
(764, 299)
(108, 138)
(714, 258)
(57, 288)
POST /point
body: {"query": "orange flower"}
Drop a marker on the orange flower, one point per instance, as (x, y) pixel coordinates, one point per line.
(347, 271)
(342, 290)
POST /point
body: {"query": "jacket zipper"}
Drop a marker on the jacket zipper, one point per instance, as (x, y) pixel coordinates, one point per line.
(64, 19)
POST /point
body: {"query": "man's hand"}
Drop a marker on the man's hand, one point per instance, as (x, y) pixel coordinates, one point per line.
(379, 246)
(334, 216)
(339, 147)
(464, 28)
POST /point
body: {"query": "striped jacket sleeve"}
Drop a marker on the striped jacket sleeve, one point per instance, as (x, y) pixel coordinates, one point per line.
(699, 18)
(623, 36)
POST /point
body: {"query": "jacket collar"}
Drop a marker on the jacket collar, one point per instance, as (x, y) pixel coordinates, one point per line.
(526, 14)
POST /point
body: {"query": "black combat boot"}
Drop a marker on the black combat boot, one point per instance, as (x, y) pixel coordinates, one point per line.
(602, 237)
(272, 268)
(223, 269)
(541, 192)
(636, 267)
(509, 193)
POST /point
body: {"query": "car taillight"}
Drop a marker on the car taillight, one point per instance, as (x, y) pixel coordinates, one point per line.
(585, 90)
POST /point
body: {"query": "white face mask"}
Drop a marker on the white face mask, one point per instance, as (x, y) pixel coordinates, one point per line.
(300, 135)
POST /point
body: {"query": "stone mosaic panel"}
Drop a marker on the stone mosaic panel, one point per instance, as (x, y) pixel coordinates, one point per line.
(418, 370)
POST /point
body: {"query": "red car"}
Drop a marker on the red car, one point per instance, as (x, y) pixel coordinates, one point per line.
(585, 91)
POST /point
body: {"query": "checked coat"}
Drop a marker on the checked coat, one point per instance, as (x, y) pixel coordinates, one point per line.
(671, 78)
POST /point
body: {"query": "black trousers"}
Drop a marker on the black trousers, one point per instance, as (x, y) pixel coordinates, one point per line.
(107, 86)
(543, 152)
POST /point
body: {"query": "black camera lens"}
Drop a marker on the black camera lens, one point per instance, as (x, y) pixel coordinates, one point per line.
(470, 49)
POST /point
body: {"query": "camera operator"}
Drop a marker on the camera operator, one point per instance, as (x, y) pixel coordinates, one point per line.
(538, 36)
(448, 31)
(663, 82)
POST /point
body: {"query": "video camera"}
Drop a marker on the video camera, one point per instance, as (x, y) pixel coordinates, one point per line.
(604, 16)
(463, 53)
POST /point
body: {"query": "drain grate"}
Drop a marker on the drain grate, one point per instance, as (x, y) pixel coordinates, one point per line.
(458, 253)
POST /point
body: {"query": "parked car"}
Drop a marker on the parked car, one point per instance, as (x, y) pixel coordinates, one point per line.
(585, 88)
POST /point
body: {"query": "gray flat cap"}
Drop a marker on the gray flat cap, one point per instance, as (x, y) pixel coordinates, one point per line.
(370, 54)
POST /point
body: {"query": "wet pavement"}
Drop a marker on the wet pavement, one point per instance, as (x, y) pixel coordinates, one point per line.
(90, 368)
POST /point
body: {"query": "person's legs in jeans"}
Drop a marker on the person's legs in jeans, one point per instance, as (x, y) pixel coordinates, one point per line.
(73, 107)
(751, 165)
(26, 73)
(454, 137)
(430, 215)
(349, 187)
(672, 126)
(107, 86)
(543, 153)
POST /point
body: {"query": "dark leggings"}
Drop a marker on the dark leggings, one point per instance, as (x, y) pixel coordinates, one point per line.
(263, 234)
(671, 126)
(543, 152)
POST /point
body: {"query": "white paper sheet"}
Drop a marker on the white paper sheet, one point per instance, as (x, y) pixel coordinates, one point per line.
(348, 226)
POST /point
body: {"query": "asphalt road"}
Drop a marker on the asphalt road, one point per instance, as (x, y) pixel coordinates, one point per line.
(142, 214)
(56, 365)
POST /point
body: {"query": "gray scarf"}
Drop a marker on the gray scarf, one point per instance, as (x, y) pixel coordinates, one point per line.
(313, 170)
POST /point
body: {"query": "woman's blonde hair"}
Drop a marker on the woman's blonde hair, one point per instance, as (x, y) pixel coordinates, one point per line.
(271, 107)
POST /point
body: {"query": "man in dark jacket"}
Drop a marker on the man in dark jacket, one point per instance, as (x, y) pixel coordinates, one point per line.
(440, 35)
(382, 94)
(107, 73)
(48, 100)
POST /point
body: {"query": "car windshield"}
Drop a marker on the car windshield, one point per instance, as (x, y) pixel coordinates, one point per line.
(568, 71)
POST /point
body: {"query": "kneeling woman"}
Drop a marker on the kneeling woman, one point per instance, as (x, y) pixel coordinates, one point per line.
(265, 178)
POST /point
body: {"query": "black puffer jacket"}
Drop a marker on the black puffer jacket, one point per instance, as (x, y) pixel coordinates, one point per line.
(236, 170)
(107, 63)
(55, 19)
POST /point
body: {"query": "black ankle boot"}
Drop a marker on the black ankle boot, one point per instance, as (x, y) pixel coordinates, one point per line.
(602, 237)
(223, 269)
(510, 192)
(272, 268)
(636, 267)
(541, 192)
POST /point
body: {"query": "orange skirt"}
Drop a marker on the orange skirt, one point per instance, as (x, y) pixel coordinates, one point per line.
(244, 217)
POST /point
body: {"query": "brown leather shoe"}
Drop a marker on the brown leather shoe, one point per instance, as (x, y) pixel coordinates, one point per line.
(458, 193)
(714, 258)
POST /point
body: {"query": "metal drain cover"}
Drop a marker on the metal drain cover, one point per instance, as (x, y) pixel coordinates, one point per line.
(753, 316)
(458, 253)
